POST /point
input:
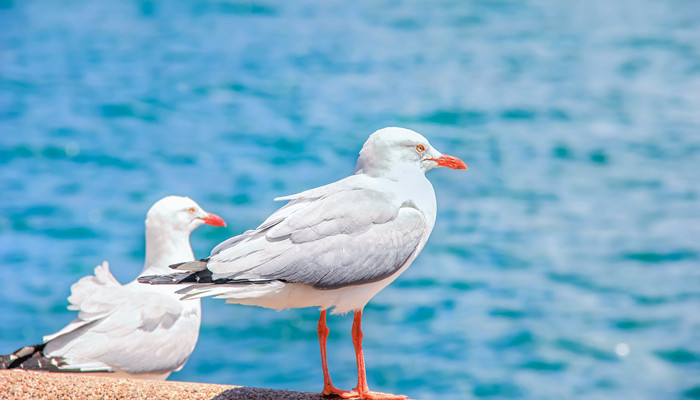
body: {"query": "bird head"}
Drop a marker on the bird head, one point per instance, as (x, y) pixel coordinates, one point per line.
(180, 214)
(392, 150)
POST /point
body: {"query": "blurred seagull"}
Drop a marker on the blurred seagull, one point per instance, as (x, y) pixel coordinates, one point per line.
(130, 330)
(334, 246)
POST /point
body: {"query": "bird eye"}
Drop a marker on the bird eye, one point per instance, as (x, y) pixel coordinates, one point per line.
(191, 210)
(420, 148)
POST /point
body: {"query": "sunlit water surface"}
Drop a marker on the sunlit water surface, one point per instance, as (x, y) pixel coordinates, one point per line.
(564, 264)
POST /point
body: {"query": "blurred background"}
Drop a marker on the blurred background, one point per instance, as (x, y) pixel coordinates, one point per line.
(564, 264)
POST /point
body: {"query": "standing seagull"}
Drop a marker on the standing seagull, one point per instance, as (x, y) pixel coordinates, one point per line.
(129, 330)
(335, 246)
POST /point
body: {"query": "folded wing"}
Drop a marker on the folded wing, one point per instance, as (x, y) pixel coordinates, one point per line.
(329, 237)
(114, 328)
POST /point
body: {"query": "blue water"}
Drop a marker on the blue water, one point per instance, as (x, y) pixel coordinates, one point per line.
(565, 264)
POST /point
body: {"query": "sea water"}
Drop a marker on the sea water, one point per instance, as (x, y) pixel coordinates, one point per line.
(564, 264)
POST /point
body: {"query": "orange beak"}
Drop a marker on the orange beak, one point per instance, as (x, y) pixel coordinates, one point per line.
(214, 220)
(450, 162)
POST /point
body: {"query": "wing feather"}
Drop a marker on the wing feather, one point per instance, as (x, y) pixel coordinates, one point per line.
(120, 327)
(89, 299)
(333, 238)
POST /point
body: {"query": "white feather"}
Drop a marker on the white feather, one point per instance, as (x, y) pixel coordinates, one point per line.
(135, 329)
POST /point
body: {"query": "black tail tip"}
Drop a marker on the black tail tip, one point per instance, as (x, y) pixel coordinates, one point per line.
(156, 279)
(198, 265)
(171, 279)
(145, 279)
(176, 266)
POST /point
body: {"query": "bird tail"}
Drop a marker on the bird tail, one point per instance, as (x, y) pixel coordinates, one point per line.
(33, 358)
(172, 279)
(195, 272)
(197, 265)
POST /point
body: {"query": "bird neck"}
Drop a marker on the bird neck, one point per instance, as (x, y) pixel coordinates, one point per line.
(397, 171)
(165, 247)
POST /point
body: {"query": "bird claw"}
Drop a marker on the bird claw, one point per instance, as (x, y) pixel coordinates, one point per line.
(352, 394)
(332, 390)
(382, 396)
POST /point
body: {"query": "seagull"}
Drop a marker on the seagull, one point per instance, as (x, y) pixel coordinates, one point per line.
(332, 247)
(130, 330)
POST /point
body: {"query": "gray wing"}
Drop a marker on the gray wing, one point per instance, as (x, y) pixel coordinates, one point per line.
(144, 334)
(120, 327)
(329, 240)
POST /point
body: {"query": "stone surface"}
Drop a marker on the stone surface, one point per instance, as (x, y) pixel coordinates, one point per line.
(21, 385)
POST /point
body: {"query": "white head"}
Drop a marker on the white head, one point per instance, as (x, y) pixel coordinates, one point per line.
(169, 223)
(180, 214)
(392, 151)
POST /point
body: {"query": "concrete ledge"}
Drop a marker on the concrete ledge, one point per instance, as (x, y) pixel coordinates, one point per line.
(20, 385)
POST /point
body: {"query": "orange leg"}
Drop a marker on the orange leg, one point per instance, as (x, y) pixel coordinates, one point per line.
(328, 387)
(362, 389)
